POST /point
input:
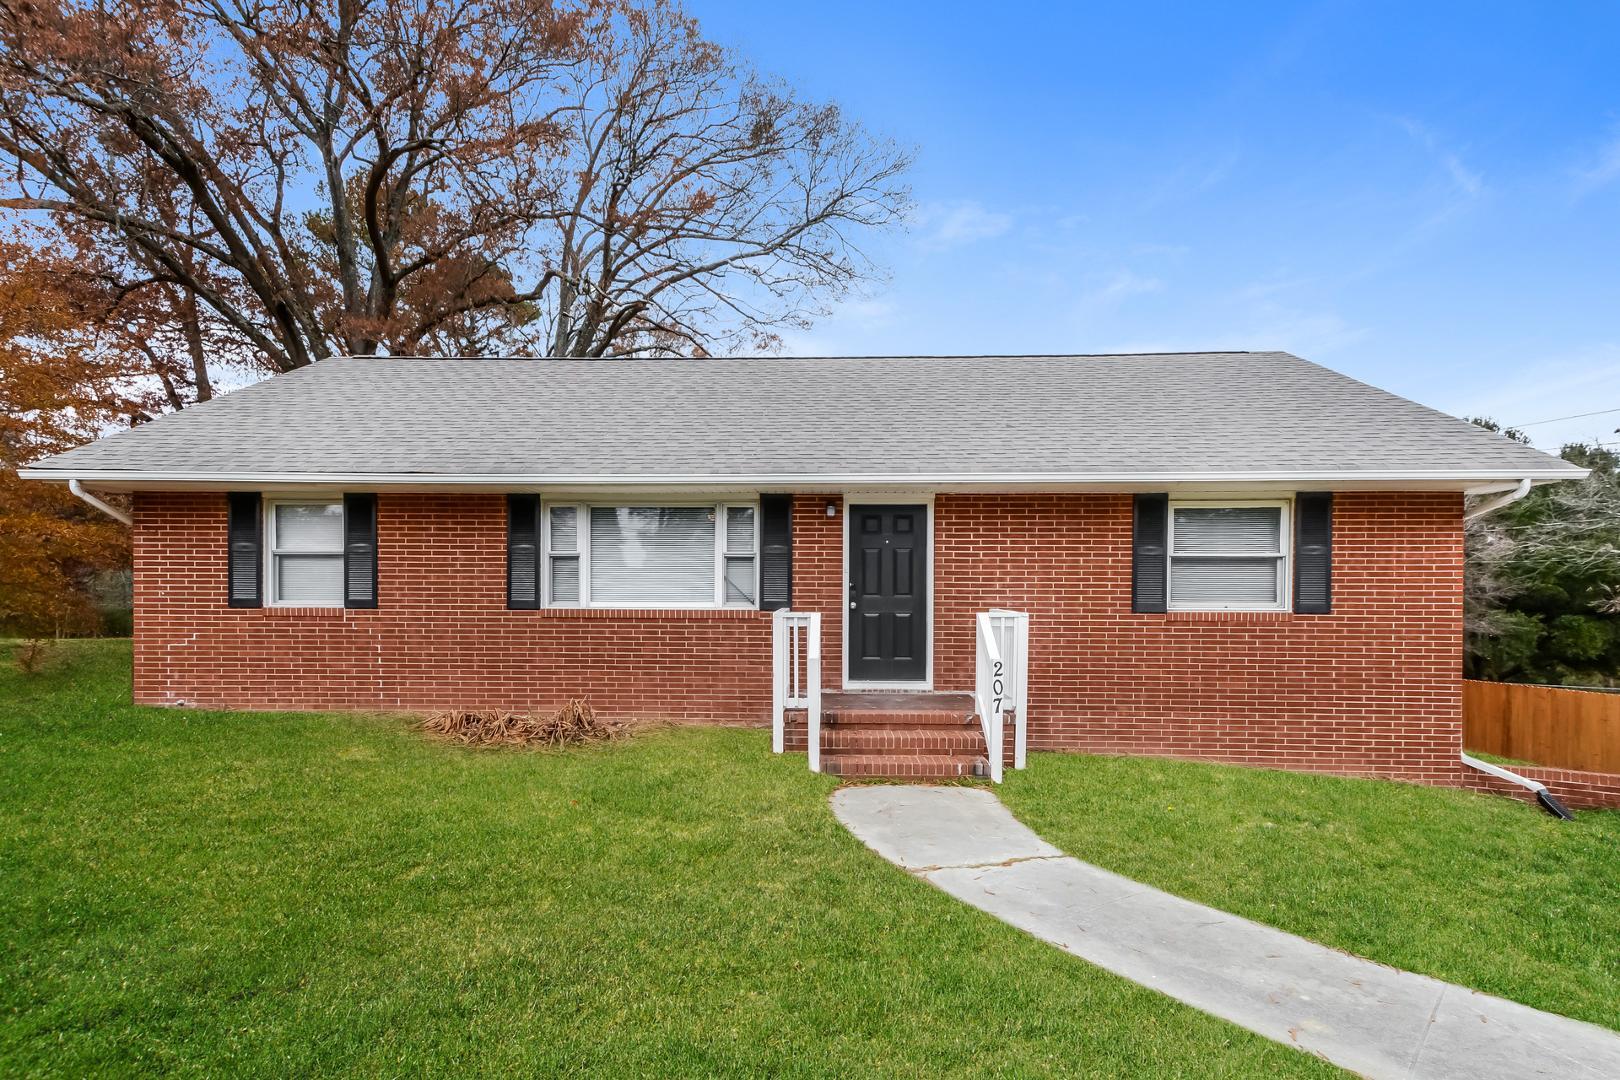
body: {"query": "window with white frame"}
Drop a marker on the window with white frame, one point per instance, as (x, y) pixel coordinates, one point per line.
(1228, 556)
(304, 550)
(738, 551)
(651, 556)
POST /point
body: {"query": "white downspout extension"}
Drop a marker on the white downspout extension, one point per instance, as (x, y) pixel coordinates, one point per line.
(1549, 802)
(110, 511)
(1497, 771)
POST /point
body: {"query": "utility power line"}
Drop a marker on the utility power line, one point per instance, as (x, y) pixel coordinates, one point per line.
(1573, 416)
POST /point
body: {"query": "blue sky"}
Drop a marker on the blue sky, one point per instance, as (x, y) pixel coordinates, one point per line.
(1424, 196)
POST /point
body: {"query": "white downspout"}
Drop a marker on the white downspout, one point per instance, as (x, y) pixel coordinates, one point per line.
(1543, 796)
(110, 511)
(1496, 504)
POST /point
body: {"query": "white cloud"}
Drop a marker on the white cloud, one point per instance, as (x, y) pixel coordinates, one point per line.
(1151, 249)
(1114, 289)
(866, 311)
(1191, 178)
(854, 328)
(1604, 168)
(1264, 314)
(1465, 181)
(942, 225)
(1310, 334)
(1260, 292)
(1313, 335)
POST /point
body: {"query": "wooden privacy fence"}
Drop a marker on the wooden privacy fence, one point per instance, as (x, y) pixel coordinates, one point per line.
(1548, 725)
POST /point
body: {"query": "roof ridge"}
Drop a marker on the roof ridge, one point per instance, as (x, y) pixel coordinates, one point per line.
(861, 356)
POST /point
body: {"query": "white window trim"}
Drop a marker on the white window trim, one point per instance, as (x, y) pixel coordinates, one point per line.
(272, 549)
(580, 551)
(1285, 583)
(582, 512)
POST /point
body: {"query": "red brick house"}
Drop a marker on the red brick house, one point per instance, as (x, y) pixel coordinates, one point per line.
(1240, 557)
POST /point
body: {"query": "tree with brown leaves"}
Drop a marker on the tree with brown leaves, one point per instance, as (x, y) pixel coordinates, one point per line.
(432, 176)
(60, 384)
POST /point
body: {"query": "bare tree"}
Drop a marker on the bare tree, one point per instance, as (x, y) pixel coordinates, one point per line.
(708, 207)
(293, 180)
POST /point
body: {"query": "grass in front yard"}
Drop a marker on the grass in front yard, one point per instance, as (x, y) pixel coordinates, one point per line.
(1475, 889)
(1498, 759)
(206, 893)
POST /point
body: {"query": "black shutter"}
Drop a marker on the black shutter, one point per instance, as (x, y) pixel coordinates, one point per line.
(523, 551)
(775, 552)
(1149, 565)
(244, 531)
(1313, 552)
(360, 550)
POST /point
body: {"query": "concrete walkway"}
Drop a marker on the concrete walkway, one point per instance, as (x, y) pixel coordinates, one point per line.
(1372, 1019)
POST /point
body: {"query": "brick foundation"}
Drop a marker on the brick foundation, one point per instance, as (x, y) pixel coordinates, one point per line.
(1578, 790)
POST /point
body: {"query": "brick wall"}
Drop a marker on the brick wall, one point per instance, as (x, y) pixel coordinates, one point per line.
(442, 635)
(1372, 689)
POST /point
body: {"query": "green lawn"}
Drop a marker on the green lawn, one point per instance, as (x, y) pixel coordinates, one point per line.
(1498, 759)
(1478, 890)
(206, 893)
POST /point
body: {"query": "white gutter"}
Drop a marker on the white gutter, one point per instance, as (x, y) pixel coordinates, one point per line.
(1496, 504)
(110, 511)
(507, 480)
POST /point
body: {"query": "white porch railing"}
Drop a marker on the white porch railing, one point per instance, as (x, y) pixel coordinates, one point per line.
(796, 677)
(1002, 682)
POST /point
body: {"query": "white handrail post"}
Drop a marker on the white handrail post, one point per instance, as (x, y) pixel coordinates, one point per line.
(998, 720)
(990, 691)
(1020, 663)
(812, 679)
(1015, 654)
(779, 633)
(795, 687)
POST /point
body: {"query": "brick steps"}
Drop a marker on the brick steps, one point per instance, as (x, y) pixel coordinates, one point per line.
(922, 736)
(922, 740)
(907, 720)
(897, 767)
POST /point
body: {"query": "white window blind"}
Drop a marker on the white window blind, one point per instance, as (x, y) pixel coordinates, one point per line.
(651, 556)
(563, 546)
(306, 554)
(1228, 557)
(739, 555)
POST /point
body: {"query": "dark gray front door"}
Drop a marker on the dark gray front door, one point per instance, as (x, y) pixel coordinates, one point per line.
(888, 593)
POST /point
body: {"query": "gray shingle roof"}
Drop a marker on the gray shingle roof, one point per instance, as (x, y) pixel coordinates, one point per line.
(1080, 418)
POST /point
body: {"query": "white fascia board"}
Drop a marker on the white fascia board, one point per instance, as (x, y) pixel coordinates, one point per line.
(1473, 481)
